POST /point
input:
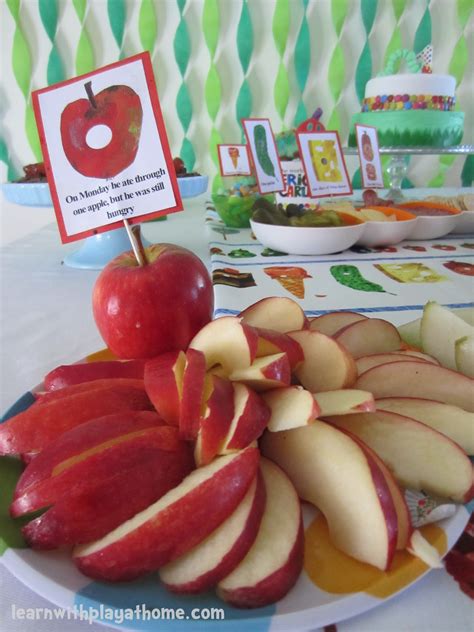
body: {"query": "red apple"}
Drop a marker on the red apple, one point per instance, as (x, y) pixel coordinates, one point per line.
(118, 108)
(142, 311)
(68, 374)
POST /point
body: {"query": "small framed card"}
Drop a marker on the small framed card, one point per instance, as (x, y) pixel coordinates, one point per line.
(105, 149)
(324, 164)
(234, 160)
(369, 157)
(263, 149)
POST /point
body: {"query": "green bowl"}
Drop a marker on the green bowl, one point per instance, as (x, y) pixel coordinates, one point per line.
(236, 211)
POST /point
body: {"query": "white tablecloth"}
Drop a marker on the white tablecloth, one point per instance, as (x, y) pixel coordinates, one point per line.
(46, 320)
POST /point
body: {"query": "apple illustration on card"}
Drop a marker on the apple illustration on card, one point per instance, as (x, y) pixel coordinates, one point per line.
(105, 149)
(111, 119)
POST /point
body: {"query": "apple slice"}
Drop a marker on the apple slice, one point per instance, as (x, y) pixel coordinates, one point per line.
(272, 371)
(419, 379)
(227, 342)
(43, 397)
(290, 407)
(164, 384)
(417, 354)
(206, 564)
(270, 342)
(452, 421)
(275, 312)
(192, 394)
(99, 493)
(31, 430)
(410, 333)
(327, 365)
(75, 445)
(331, 322)
(344, 402)
(275, 560)
(337, 474)
(173, 525)
(367, 336)
(364, 363)
(464, 355)
(419, 457)
(215, 422)
(251, 415)
(68, 374)
(440, 328)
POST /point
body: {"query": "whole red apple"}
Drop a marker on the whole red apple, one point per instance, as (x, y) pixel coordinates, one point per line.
(142, 311)
(117, 107)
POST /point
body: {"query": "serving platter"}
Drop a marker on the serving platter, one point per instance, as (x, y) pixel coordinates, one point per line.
(332, 587)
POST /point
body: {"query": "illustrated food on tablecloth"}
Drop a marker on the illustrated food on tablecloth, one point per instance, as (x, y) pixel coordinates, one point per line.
(410, 272)
(289, 277)
(460, 267)
(350, 276)
(232, 278)
(239, 424)
(241, 253)
(412, 108)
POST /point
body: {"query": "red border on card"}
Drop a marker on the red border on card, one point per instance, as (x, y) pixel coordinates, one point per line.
(364, 184)
(327, 131)
(243, 121)
(239, 173)
(155, 103)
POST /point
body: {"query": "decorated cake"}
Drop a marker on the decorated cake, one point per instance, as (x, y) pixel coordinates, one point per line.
(414, 108)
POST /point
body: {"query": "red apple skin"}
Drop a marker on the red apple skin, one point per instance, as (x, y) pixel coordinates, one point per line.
(251, 423)
(94, 385)
(31, 431)
(68, 374)
(235, 555)
(176, 529)
(193, 391)
(142, 311)
(87, 436)
(82, 472)
(215, 424)
(163, 382)
(108, 502)
(119, 108)
(270, 342)
(275, 586)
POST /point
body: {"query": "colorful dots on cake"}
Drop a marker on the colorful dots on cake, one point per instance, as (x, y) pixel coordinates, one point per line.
(407, 102)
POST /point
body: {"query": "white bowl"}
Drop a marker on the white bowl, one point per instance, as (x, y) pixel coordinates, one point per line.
(311, 240)
(388, 233)
(465, 223)
(431, 226)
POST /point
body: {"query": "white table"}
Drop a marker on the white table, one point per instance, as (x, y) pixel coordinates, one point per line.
(47, 320)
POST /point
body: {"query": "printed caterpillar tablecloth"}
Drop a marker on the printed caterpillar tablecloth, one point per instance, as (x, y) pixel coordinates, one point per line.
(391, 282)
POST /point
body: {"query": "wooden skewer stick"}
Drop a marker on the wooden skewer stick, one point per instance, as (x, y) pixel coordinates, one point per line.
(134, 235)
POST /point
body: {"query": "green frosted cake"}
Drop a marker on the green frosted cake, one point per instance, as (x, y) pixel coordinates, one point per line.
(411, 109)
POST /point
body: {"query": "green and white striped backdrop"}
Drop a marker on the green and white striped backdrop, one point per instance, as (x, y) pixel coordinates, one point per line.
(217, 61)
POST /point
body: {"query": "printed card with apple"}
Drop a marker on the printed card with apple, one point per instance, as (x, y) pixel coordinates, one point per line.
(369, 157)
(105, 149)
(324, 164)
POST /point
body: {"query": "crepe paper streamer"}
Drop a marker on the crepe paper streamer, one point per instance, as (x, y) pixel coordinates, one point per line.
(302, 61)
(117, 12)
(395, 42)
(22, 71)
(363, 71)
(243, 106)
(184, 106)
(337, 70)
(423, 32)
(85, 61)
(212, 87)
(48, 11)
(280, 28)
(147, 27)
(467, 173)
(12, 174)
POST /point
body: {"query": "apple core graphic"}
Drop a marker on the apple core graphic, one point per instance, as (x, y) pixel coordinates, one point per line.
(114, 113)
